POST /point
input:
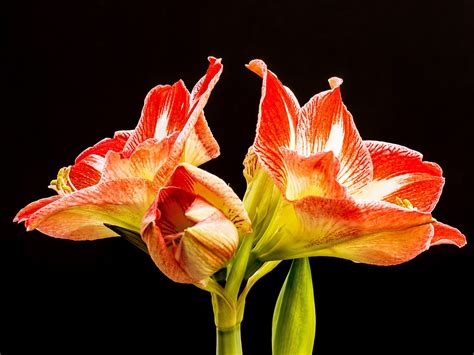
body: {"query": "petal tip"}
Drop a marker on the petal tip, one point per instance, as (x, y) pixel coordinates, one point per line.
(214, 60)
(335, 82)
(258, 66)
(445, 234)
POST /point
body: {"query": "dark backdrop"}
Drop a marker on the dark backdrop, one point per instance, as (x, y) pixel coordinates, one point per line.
(75, 73)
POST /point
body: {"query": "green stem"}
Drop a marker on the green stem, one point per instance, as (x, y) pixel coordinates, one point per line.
(228, 341)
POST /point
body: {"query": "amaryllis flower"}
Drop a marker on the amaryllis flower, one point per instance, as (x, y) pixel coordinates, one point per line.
(194, 226)
(334, 194)
(116, 181)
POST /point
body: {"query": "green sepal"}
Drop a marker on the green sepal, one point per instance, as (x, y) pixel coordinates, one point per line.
(294, 318)
(130, 236)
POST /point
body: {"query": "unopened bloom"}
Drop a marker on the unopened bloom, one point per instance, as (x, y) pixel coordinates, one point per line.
(116, 181)
(324, 191)
(195, 225)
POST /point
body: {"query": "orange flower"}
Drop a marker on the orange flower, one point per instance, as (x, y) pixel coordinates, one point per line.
(116, 181)
(332, 193)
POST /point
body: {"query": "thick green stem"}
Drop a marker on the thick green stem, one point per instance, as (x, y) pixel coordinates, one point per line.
(228, 341)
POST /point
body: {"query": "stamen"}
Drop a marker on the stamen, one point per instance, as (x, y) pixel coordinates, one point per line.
(62, 184)
(405, 203)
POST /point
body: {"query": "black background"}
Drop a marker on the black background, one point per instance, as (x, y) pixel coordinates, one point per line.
(77, 72)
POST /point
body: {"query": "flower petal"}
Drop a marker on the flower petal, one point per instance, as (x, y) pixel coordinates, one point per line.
(324, 125)
(88, 166)
(165, 111)
(170, 109)
(115, 144)
(444, 234)
(315, 224)
(215, 191)
(277, 121)
(161, 255)
(145, 162)
(208, 246)
(205, 85)
(199, 98)
(385, 248)
(312, 176)
(81, 215)
(30, 209)
(201, 145)
(399, 172)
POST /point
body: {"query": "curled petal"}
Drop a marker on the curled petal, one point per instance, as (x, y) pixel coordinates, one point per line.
(401, 173)
(444, 234)
(81, 215)
(215, 191)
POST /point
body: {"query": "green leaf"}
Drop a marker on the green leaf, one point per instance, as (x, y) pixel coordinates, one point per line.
(130, 236)
(294, 319)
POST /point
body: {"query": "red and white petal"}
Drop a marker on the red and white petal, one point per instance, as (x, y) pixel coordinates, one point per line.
(400, 172)
(205, 85)
(88, 166)
(444, 234)
(385, 248)
(81, 215)
(277, 122)
(313, 224)
(165, 111)
(145, 162)
(200, 146)
(332, 221)
(324, 125)
(86, 172)
(199, 97)
(162, 255)
(312, 176)
(30, 209)
(115, 144)
(215, 191)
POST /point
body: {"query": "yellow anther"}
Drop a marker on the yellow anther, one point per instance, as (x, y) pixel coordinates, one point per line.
(405, 203)
(408, 204)
(62, 185)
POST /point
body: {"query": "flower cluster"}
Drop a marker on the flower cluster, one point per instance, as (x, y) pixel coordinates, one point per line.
(314, 188)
